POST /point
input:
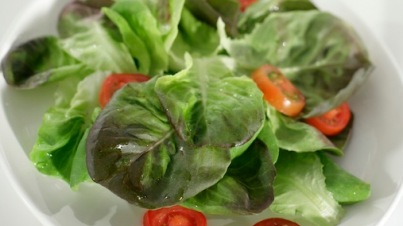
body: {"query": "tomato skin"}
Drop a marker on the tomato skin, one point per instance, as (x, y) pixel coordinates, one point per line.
(278, 90)
(116, 81)
(174, 216)
(276, 222)
(246, 3)
(332, 122)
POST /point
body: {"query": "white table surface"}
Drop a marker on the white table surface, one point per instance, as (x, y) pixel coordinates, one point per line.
(383, 17)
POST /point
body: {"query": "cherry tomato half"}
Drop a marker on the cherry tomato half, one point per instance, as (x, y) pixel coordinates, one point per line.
(278, 90)
(116, 81)
(246, 3)
(332, 122)
(174, 216)
(276, 222)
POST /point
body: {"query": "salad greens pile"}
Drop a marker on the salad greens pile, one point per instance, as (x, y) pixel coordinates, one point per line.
(199, 133)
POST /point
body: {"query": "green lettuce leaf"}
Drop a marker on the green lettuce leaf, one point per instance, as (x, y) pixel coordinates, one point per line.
(205, 103)
(239, 150)
(247, 187)
(167, 14)
(135, 45)
(141, 20)
(194, 37)
(133, 151)
(317, 51)
(346, 188)
(136, 151)
(300, 189)
(98, 50)
(269, 139)
(170, 27)
(38, 62)
(61, 137)
(260, 10)
(77, 17)
(79, 172)
(297, 136)
(210, 11)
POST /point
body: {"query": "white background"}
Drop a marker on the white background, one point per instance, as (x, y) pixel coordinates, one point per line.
(383, 17)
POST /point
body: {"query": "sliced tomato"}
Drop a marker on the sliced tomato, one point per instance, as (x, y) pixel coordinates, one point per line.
(246, 3)
(276, 222)
(278, 90)
(116, 81)
(333, 122)
(174, 216)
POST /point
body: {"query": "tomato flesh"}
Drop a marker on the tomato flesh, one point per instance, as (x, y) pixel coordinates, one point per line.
(276, 222)
(174, 216)
(278, 90)
(115, 82)
(179, 220)
(332, 122)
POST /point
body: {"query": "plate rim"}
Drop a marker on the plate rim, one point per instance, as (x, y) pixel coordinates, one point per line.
(6, 43)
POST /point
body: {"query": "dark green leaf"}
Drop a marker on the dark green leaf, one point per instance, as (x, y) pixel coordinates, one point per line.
(247, 187)
(38, 62)
(239, 150)
(210, 11)
(133, 151)
(98, 3)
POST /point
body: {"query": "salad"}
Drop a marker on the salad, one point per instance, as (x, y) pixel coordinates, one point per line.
(186, 107)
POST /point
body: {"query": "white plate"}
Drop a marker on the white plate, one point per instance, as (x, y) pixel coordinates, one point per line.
(374, 154)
